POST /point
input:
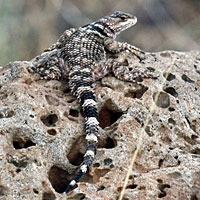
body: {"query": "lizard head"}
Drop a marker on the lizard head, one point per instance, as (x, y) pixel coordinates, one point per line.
(117, 22)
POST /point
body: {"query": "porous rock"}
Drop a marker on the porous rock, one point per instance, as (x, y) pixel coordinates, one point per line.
(42, 133)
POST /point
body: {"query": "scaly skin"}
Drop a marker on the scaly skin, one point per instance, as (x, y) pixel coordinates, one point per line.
(80, 56)
(82, 51)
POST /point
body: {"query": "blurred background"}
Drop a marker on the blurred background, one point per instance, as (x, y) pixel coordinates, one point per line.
(27, 27)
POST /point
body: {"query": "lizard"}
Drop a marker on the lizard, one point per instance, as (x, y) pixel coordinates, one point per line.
(80, 55)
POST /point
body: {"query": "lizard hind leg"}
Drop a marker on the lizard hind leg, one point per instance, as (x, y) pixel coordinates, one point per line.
(132, 73)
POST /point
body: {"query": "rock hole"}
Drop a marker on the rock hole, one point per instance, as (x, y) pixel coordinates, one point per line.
(77, 159)
(73, 112)
(137, 93)
(194, 125)
(58, 178)
(175, 175)
(49, 120)
(112, 166)
(100, 173)
(52, 100)
(142, 188)
(75, 155)
(169, 76)
(87, 178)
(159, 180)
(187, 79)
(10, 114)
(107, 117)
(17, 145)
(171, 109)
(161, 99)
(194, 197)
(165, 54)
(79, 196)
(48, 196)
(18, 170)
(151, 69)
(162, 194)
(35, 191)
(196, 68)
(52, 132)
(7, 114)
(101, 188)
(196, 150)
(148, 131)
(171, 90)
(108, 143)
(131, 177)
(188, 121)
(119, 189)
(107, 161)
(28, 143)
(138, 79)
(96, 165)
(194, 137)
(162, 188)
(176, 157)
(133, 186)
(19, 163)
(28, 81)
(2, 190)
(20, 144)
(160, 162)
(171, 121)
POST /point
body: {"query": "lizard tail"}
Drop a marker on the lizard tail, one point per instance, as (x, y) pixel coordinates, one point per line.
(81, 84)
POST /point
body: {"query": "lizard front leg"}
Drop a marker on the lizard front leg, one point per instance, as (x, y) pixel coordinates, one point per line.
(116, 47)
(132, 73)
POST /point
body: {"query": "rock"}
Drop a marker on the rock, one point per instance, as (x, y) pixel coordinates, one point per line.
(42, 133)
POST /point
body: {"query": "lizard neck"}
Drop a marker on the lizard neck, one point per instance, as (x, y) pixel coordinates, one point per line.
(99, 28)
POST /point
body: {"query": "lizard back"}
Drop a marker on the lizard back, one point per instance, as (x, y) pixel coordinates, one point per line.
(81, 52)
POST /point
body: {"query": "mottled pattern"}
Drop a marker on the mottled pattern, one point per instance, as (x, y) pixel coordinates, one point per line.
(80, 56)
(81, 52)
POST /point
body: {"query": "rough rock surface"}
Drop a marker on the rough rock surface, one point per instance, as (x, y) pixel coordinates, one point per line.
(42, 134)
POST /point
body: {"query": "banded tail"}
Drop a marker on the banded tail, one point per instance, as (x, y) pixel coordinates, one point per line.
(81, 86)
(81, 51)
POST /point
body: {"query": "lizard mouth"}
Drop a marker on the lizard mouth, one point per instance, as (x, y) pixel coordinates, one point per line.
(133, 20)
(130, 22)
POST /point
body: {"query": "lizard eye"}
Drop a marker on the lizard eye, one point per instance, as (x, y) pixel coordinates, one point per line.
(123, 18)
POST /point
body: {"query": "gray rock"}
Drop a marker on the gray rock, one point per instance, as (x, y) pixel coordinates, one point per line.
(42, 133)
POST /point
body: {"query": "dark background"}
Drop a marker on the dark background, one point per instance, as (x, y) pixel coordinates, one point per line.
(29, 26)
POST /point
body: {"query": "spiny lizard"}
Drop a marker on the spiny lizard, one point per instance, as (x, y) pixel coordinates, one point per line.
(80, 56)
